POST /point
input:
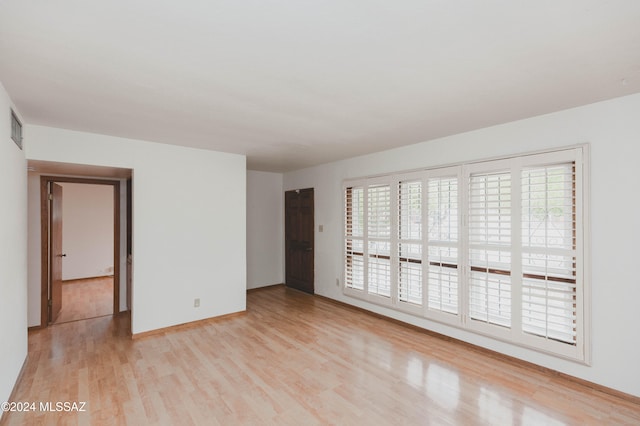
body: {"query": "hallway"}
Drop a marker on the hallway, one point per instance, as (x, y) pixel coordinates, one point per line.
(86, 298)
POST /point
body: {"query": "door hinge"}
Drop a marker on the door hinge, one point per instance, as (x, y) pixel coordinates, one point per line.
(50, 197)
(50, 302)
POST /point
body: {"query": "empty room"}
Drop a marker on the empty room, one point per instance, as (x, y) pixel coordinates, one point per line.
(418, 212)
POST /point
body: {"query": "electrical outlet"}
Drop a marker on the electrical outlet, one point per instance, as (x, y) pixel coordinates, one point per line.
(196, 303)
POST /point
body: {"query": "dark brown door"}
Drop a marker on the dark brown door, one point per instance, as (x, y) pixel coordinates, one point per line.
(55, 296)
(299, 239)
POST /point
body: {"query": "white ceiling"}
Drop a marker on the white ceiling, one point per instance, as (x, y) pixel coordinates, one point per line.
(293, 83)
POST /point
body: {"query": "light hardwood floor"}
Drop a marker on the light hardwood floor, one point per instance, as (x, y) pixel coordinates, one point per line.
(88, 298)
(293, 359)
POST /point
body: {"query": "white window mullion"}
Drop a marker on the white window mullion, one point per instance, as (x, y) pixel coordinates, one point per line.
(463, 243)
(516, 250)
(425, 246)
(394, 241)
(365, 240)
(582, 256)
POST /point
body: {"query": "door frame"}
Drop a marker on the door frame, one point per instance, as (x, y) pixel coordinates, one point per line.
(44, 239)
(56, 253)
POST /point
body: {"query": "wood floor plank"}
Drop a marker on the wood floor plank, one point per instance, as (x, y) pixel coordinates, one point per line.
(86, 298)
(292, 359)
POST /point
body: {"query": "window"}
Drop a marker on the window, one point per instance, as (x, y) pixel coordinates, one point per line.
(16, 129)
(354, 241)
(410, 242)
(489, 235)
(493, 247)
(443, 244)
(549, 252)
(379, 240)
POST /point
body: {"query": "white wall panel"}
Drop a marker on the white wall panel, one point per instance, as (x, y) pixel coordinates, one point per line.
(189, 222)
(13, 253)
(265, 229)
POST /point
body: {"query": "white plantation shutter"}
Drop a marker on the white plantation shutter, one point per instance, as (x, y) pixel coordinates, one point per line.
(379, 239)
(354, 241)
(489, 231)
(495, 247)
(549, 252)
(442, 241)
(410, 242)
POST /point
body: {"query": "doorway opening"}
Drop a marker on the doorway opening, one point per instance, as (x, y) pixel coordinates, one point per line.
(84, 298)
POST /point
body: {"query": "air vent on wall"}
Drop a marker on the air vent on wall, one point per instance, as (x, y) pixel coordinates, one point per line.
(16, 129)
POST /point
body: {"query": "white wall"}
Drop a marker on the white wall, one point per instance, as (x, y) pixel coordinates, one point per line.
(265, 229)
(34, 250)
(189, 222)
(613, 130)
(13, 253)
(87, 230)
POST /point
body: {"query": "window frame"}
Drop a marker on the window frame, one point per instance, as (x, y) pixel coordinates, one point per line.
(515, 334)
(351, 253)
(377, 297)
(398, 180)
(440, 316)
